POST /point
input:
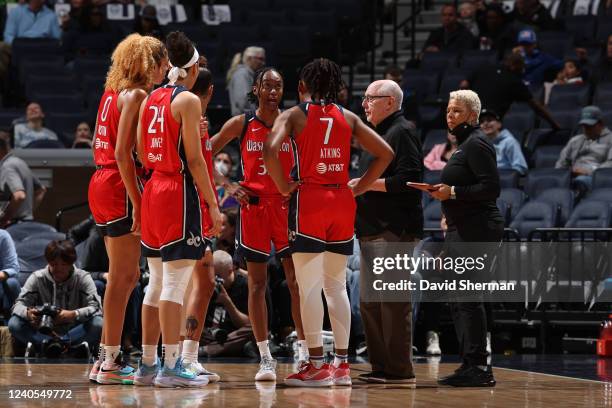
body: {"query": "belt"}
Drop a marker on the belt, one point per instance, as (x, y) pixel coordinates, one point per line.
(107, 167)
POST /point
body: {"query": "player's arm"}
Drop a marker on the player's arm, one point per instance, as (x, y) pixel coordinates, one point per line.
(283, 126)
(126, 139)
(139, 137)
(230, 130)
(190, 111)
(376, 146)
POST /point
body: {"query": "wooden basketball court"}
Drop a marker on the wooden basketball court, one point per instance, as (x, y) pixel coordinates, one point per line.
(514, 388)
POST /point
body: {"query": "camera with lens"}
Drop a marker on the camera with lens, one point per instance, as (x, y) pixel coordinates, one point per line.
(219, 334)
(47, 313)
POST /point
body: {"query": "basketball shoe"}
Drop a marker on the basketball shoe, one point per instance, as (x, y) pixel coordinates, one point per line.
(310, 376)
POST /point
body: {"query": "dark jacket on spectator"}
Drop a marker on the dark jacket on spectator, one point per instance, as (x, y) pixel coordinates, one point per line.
(460, 39)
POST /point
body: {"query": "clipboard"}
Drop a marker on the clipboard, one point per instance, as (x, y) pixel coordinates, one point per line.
(422, 186)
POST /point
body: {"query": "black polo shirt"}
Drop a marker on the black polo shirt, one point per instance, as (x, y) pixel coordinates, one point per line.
(397, 210)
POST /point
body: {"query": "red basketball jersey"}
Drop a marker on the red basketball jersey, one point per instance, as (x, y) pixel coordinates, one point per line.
(255, 174)
(105, 137)
(323, 148)
(161, 133)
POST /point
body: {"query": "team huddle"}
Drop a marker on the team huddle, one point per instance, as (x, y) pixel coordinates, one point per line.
(153, 193)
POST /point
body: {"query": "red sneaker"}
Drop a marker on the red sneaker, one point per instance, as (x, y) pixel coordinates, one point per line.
(341, 374)
(310, 376)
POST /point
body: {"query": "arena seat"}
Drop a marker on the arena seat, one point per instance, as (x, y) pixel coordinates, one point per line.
(542, 179)
(515, 199)
(568, 96)
(508, 178)
(590, 214)
(602, 178)
(432, 214)
(22, 230)
(562, 200)
(534, 214)
(546, 156)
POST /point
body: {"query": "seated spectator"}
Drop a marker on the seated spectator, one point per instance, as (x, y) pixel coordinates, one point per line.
(603, 70)
(496, 34)
(227, 237)
(23, 189)
(240, 77)
(533, 14)
(588, 151)
(467, 17)
(228, 328)
(437, 158)
(499, 87)
(507, 148)
(32, 130)
(147, 23)
(9, 267)
(223, 167)
(77, 18)
(571, 74)
(82, 136)
(58, 307)
(452, 36)
(31, 20)
(538, 65)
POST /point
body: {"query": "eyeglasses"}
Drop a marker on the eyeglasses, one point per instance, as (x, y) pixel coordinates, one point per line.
(372, 98)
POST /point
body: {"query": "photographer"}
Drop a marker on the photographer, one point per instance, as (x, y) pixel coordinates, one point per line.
(58, 306)
(228, 328)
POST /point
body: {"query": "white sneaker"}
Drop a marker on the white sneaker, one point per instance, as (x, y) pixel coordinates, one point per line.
(267, 370)
(433, 344)
(199, 370)
(489, 343)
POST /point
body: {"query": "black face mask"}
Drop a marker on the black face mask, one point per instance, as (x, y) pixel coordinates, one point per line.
(463, 131)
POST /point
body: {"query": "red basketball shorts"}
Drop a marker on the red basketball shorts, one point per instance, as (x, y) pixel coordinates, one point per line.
(263, 223)
(171, 220)
(322, 218)
(109, 203)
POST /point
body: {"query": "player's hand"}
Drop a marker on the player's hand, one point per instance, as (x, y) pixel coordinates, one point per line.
(442, 193)
(291, 187)
(203, 125)
(223, 298)
(240, 193)
(136, 219)
(356, 187)
(65, 316)
(33, 316)
(217, 220)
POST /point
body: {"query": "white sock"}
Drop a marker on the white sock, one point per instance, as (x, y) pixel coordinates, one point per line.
(316, 361)
(111, 353)
(264, 350)
(170, 353)
(302, 350)
(101, 353)
(339, 359)
(190, 351)
(149, 354)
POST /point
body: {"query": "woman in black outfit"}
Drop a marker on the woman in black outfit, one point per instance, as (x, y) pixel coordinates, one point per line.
(469, 190)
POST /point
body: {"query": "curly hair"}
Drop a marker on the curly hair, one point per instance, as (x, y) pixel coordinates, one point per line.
(323, 78)
(132, 63)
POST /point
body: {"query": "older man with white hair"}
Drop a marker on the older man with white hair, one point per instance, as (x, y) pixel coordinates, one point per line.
(390, 212)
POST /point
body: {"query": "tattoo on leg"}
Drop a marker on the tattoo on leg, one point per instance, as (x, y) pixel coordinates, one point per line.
(191, 325)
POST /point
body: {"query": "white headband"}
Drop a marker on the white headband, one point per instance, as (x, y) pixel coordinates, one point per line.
(175, 72)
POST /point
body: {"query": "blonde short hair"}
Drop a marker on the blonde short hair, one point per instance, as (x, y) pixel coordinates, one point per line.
(470, 98)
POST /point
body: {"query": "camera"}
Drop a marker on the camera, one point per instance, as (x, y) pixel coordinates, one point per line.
(48, 313)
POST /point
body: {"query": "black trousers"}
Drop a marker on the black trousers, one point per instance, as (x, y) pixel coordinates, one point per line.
(470, 318)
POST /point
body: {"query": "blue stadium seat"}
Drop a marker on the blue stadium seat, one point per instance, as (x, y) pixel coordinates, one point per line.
(26, 47)
(555, 43)
(438, 61)
(45, 144)
(291, 41)
(46, 64)
(567, 118)
(432, 214)
(311, 5)
(602, 178)
(22, 230)
(8, 116)
(542, 179)
(473, 60)
(50, 85)
(546, 156)
(426, 199)
(271, 18)
(432, 176)
(562, 200)
(603, 94)
(504, 210)
(61, 104)
(508, 178)
(582, 28)
(519, 123)
(428, 113)
(568, 96)
(423, 83)
(91, 66)
(604, 29)
(541, 137)
(66, 123)
(590, 214)
(601, 194)
(95, 43)
(534, 214)
(434, 137)
(515, 199)
(450, 82)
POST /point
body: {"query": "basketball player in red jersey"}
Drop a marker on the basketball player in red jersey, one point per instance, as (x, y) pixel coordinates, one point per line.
(322, 210)
(199, 292)
(169, 142)
(263, 210)
(114, 196)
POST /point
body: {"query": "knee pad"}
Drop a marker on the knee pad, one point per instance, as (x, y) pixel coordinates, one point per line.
(154, 289)
(177, 275)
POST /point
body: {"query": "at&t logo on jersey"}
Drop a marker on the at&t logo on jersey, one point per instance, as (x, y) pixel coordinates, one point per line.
(100, 144)
(323, 168)
(154, 157)
(195, 241)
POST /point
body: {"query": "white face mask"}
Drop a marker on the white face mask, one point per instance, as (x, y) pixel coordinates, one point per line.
(222, 168)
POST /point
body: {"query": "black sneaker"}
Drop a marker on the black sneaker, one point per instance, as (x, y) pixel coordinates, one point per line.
(52, 348)
(471, 376)
(372, 374)
(80, 350)
(394, 379)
